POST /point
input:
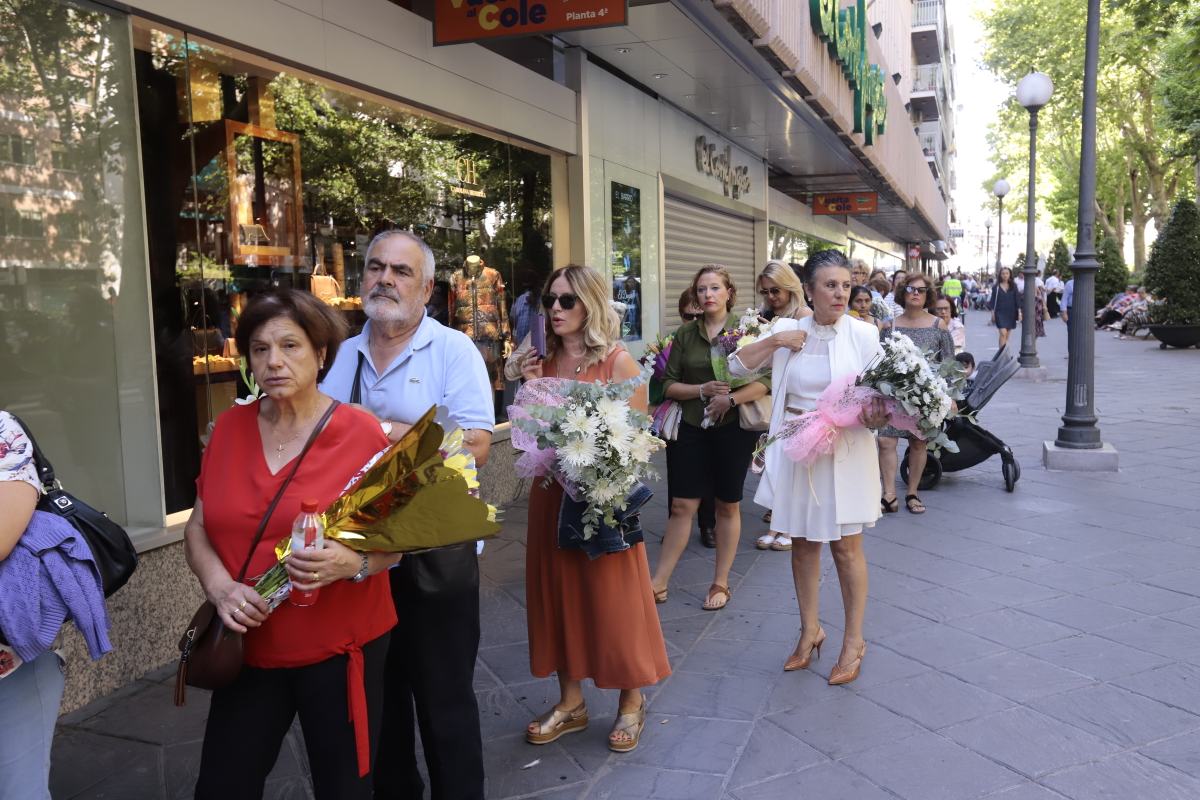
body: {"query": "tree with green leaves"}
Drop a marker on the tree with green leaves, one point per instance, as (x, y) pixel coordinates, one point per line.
(1173, 273)
(1113, 275)
(1139, 167)
(1060, 258)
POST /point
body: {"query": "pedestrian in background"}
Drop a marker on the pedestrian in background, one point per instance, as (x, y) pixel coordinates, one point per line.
(589, 617)
(712, 452)
(400, 366)
(860, 306)
(929, 334)
(946, 310)
(1005, 305)
(833, 500)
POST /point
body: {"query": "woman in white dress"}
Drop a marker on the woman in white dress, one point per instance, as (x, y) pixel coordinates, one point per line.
(834, 499)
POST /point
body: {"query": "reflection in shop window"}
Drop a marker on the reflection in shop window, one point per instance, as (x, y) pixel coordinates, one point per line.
(258, 178)
(66, 96)
(795, 247)
(627, 257)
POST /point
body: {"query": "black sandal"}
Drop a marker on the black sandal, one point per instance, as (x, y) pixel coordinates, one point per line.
(909, 499)
(890, 506)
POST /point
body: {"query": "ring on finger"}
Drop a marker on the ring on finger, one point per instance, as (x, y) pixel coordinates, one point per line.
(241, 605)
(316, 576)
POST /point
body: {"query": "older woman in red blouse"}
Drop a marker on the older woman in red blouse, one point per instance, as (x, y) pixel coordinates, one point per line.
(325, 661)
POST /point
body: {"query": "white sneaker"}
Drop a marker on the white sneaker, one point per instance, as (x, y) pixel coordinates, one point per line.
(782, 542)
(765, 541)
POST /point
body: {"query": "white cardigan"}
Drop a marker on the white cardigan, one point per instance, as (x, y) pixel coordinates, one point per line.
(855, 458)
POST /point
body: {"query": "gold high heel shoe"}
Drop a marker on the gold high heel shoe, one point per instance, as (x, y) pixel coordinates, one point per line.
(798, 661)
(841, 675)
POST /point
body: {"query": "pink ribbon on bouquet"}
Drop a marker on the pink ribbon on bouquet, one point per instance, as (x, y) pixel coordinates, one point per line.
(538, 392)
(815, 434)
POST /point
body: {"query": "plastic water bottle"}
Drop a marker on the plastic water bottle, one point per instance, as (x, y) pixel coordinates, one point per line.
(308, 532)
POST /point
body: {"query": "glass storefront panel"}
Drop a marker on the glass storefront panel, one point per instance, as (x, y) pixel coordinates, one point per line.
(794, 247)
(626, 258)
(258, 177)
(72, 265)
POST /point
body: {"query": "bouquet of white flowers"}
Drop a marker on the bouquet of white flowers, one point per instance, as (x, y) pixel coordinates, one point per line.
(918, 398)
(588, 438)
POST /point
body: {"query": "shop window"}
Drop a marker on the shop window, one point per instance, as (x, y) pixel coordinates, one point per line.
(257, 177)
(17, 150)
(795, 247)
(70, 364)
(626, 257)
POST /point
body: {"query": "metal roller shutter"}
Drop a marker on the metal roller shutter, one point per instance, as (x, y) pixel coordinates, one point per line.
(696, 235)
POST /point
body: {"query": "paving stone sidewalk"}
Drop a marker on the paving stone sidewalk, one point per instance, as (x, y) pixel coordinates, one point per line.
(1040, 644)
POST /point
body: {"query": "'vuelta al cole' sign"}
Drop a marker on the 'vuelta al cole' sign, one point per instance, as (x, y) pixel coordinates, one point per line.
(845, 31)
(456, 21)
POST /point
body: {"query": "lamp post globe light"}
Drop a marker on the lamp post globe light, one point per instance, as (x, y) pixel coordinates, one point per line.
(1000, 188)
(1033, 92)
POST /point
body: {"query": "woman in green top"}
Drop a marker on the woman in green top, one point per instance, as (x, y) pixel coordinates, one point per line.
(711, 453)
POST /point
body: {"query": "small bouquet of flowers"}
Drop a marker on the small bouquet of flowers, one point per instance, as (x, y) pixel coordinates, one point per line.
(655, 359)
(418, 494)
(750, 328)
(918, 398)
(588, 438)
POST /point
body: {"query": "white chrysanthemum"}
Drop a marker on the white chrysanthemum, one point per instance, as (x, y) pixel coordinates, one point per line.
(579, 422)
(643, 447)
(579, 451)
(612, 412)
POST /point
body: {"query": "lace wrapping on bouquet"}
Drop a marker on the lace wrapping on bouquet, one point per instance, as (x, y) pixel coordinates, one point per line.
(534, 462)
(815, 434)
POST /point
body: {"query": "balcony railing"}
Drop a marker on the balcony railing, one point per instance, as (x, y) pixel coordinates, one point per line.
(928, 78)
(929, 12)
(929, 134)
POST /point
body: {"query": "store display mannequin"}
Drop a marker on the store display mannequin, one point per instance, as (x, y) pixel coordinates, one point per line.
(480, 311)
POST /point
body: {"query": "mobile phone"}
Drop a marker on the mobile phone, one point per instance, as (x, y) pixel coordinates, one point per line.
(537, 334)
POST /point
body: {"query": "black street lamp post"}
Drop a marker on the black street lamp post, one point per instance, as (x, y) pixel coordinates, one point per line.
(1000, 188)
(1033, 92)
(1079, 430)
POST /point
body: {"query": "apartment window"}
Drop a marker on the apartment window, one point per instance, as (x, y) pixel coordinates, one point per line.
(15, 224)
(71, 227)
(60, 157)
(17, 149)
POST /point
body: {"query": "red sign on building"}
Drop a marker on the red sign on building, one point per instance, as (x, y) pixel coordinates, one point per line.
(854, 203)
(458, 21)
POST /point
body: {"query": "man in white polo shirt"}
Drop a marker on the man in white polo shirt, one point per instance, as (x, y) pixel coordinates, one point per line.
(401, 364)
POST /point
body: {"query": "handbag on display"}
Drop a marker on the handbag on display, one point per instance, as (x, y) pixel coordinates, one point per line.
(210, 655)
(112, 550)
(324, 286)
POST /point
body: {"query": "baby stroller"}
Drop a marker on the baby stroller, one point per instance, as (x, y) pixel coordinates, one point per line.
(975, 444)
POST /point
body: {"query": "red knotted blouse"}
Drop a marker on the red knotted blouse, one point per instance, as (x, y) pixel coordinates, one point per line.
(236, 486)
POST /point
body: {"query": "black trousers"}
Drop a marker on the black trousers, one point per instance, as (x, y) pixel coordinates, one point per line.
(431, 665)
(248, 721)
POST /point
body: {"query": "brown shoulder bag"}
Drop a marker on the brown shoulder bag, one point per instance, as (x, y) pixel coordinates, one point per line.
(210, 655)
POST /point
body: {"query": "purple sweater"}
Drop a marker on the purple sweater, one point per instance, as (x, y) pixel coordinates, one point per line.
(48, 578)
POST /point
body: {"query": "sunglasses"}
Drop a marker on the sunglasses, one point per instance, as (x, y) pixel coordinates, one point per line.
(917, 289)
(687, 317)
(774, 291)
(565, 301)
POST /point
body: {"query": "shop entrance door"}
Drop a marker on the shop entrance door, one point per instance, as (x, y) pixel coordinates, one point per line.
(695, 235)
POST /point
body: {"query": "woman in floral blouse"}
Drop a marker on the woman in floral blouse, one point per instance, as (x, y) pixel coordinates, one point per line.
(30, 692)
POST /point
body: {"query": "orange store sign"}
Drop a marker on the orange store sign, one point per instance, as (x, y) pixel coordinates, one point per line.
(457, 21)
(854, 203)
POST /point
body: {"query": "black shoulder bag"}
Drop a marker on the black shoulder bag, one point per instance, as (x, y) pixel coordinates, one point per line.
(110, 545)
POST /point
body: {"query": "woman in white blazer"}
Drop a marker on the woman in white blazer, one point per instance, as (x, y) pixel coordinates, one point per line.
(834, 499)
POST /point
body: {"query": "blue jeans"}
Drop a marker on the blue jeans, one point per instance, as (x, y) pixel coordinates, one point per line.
(29, 701)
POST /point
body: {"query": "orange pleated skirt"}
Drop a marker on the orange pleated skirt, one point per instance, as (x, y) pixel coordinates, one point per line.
(589, 618)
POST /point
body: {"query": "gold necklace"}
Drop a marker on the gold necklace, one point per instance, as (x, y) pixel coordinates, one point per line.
(282, 443)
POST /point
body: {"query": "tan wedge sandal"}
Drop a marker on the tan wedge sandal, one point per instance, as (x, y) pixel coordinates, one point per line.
(556, 723)
(632, 725)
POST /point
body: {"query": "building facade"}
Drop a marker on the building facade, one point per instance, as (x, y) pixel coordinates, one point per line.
(161, 162)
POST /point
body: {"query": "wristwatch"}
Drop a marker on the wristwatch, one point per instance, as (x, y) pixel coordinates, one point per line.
(361, 575)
